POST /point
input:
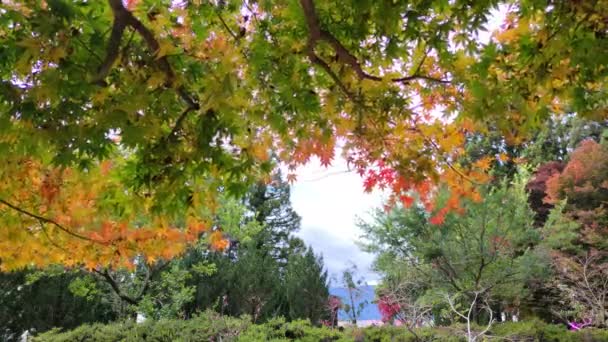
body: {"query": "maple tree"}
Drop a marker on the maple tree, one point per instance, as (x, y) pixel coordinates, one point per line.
(122, 122)
(576, 230)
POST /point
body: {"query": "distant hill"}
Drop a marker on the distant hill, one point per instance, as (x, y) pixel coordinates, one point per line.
(366, 293)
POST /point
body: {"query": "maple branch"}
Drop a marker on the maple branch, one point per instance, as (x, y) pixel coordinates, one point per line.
(236, 38)
(46, 220)
(178, 123)
(122, 19)
(449, 164)
(316, 33)
(118, 28)
(43, 228)
(317, 60)
(413, 77)
(86, 47)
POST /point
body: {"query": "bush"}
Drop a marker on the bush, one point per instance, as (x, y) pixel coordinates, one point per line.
(210, 326)
(536, 330)
(279, 330)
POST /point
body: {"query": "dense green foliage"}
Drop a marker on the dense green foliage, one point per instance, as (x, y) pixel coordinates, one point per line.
(39, 302)
(485, 251)
(123, 122)
(532, 247)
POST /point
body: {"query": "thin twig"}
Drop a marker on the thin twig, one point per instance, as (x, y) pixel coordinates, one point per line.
(236, 38)
(46, 220)
(86, 47)
(43, 228)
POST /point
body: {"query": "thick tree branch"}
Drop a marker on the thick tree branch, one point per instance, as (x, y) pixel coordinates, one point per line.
(122, 19)
(316, 33)
(112, 51)
(46, 220)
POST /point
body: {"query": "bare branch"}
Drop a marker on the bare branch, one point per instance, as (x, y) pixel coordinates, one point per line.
(114, 285)
(453, 307)
(490, 321)
(134, 300)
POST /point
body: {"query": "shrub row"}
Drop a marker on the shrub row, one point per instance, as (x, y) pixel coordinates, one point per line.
(211, 327)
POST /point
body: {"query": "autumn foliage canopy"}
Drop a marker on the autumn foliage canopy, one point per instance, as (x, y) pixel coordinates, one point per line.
(121, 123)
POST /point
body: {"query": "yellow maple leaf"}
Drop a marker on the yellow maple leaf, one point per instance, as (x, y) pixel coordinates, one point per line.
(462, 62)
(156, 80)
(165, 47)
(99, 97)
(56, 54)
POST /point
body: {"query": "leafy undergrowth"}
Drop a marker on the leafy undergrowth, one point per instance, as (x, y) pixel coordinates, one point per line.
(209, 326)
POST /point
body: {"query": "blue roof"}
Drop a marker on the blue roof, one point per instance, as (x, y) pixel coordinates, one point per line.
(365, 294)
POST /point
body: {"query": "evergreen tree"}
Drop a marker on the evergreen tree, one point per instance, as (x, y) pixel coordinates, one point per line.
(271, 273)
(37, 301)
(306, 289)
(272, 208)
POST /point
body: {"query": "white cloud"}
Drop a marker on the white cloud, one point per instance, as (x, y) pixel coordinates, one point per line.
(329, 201)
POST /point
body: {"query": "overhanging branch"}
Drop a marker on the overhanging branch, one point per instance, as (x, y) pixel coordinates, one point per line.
(316, 33)
(46, 220)
(122, 19)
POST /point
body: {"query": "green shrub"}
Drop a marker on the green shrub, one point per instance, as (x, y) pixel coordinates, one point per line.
(280, 330)
(205, 327)
(210, 326)
(387, 334)
(526, 330)
(536, 330)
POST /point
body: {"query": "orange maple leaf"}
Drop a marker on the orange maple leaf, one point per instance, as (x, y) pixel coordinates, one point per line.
(503, 157)
(483, 163)
(217, 241)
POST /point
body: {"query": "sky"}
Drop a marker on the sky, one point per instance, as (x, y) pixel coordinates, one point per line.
(329, 200)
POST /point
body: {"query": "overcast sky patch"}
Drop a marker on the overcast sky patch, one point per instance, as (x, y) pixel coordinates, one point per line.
(329, 200)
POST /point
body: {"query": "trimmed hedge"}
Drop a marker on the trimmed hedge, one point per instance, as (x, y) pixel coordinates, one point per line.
(210, 326)
(536, 330)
